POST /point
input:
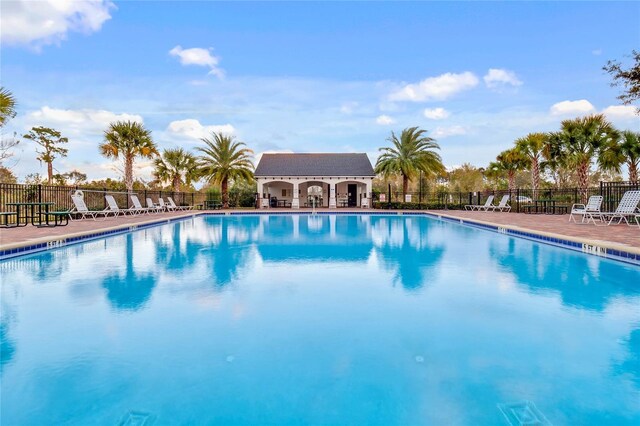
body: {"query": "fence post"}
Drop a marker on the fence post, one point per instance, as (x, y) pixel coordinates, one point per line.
(40, 193)
(104, 200)
(517, 200)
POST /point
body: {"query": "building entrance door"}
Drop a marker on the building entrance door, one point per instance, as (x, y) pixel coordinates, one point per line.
(352, 190)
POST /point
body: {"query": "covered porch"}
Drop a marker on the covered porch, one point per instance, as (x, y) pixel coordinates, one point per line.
(308, 193)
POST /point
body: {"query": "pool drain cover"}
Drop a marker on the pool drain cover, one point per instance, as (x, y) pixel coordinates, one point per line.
(136, 418)
(524, 413)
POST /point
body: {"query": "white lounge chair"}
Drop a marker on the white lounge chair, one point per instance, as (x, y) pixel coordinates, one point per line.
(177, 207)
(487, 204)
(113, 206)
(152, 206)
(626, 208)
(502, 206)
(589, 212)
(80, 207)
(137, 205)
(165, 206)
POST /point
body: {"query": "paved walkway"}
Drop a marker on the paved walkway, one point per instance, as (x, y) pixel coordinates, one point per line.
(556, 224)
(620, 235)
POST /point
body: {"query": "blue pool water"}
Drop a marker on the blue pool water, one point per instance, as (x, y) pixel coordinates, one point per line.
(349, 320)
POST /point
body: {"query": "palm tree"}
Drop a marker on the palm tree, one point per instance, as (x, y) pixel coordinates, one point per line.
(630, 149)
(128, 139)
(177, 167)
(581, 141)
(508, 162)
(410, 154)
(7, 106)
(533, 147)
(223, 159)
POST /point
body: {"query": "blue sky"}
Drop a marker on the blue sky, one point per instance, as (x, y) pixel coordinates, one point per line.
(310, 77)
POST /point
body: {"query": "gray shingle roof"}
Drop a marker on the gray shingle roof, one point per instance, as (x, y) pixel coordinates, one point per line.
(314, 165)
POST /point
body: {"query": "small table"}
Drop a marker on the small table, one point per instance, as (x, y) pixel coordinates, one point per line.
(343, 203)
(31, 213)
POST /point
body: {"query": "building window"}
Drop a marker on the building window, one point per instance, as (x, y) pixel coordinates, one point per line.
(284, 192)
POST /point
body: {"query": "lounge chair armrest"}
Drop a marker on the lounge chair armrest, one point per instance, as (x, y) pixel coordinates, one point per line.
(578, 205)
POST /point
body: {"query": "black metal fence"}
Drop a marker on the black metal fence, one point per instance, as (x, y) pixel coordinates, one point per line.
(94, 198)
(613, 192)
(519, 199)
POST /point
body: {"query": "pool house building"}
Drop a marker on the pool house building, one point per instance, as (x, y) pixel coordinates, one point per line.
(320, 180)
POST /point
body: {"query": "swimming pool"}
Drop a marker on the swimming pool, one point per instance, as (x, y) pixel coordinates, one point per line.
(300, 319)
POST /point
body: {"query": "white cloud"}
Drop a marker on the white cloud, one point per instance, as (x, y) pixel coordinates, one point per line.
(39, 23)
(436, 88)
(596, 52)
(193, 129)
(498, 78)
(620, 111)
(385, 120)
(200, 57)
(85, 129)
(436, 113)
(444, 132)
(77, 122)
(581, 106)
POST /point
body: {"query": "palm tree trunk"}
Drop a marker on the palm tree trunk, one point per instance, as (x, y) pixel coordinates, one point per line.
(633, 172)
(405, 186)
(50, 172)
(225, 193)
(583, 180)
(535, 176)
(512, 180)
(176, 184)
(128, 172)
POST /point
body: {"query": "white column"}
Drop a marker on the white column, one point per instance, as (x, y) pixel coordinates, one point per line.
(264, 202)
(259, 190)
(367, 201)
(332, 195)
(295, 202)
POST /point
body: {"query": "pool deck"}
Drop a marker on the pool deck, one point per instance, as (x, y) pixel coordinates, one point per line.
(615, 236)
(621, 237)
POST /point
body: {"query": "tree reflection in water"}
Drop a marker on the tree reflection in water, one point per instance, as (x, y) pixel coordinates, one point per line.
(7, 346)
(233, 250)
(631, 363)
(406, 249)
(574, 276)
(130, 289)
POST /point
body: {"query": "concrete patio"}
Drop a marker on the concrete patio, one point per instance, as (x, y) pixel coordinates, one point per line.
(620, 235)
(615, 236)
